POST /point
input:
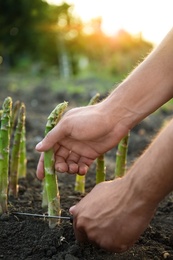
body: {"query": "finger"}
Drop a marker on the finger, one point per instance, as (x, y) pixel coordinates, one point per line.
(72, 209)
(53, 137)
(84, 164)
(60, 159)
(66, 161)
(60, 164)
(83, 169)
(78, 164)
(62, 152)
(72, 162)
(40, 167)
(80, 233)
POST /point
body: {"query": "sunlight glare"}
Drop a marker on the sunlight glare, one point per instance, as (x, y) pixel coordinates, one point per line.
(151, 18)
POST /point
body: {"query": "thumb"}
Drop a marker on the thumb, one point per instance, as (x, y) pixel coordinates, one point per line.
(72, 209)
(53, 137)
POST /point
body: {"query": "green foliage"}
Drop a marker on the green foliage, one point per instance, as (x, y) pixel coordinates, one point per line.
(29, 30)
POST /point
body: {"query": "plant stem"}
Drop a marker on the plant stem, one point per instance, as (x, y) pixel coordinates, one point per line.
(80, 183)
(23, 158)
(121, 155)
(51, 181)
(100, 169)
(15, 153)
(15, 110)
(1, 111)
(94, 99)
(44, 203)
(4, 153)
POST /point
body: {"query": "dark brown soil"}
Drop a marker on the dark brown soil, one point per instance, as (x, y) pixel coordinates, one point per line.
(27, 238)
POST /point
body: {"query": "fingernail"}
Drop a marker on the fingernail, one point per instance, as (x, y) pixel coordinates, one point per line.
(38, 146)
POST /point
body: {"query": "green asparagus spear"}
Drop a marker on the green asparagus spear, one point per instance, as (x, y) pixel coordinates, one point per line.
(15, 153)
(120, 165)
(4, 153)
(1, 111)
(15, 110)
(94, 99)
(100, 169)
(23, 158)
(80, 183)
(51, 181)
(44, 203)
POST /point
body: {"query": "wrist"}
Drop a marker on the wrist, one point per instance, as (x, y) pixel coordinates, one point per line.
(119, 110)
(142, 188)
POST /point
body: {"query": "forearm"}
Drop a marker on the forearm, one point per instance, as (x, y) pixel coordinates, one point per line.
(152, 174)
(128, 203)
(148, 87)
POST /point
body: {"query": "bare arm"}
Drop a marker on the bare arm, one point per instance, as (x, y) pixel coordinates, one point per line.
(148, 87)
(114, 214)
(80, 137)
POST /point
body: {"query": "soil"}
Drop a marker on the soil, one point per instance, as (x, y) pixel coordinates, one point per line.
(31, 238)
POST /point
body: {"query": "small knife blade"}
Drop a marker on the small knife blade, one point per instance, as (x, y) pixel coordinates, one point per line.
(70, 218)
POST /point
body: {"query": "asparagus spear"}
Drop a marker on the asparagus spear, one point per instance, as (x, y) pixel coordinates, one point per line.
(100, 169)
(50, 181)
(121, 156)
(15, 110)
(80, 183)
(44, 203)
(94, 99)
(1, 111)
(4, 152)
(80, 179)
(15, 153)
(23, 158)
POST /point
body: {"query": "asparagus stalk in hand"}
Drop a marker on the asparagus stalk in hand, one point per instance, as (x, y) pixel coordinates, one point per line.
(4, 152)
(50, 180)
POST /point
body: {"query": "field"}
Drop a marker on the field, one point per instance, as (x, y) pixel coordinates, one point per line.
(31, 238)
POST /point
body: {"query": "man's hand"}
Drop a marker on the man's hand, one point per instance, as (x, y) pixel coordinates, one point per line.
(80, 137)
(112, 216)
(115, 213)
